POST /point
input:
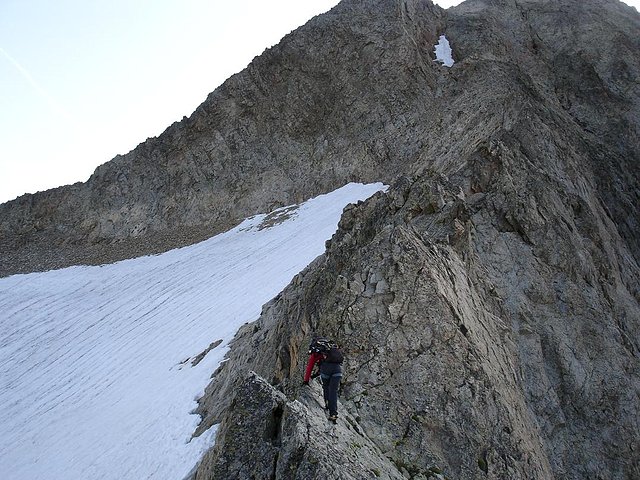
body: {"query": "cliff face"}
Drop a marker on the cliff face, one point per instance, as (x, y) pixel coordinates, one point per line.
(488, 304)
(324, 107)
(354, 95)
(472, 349)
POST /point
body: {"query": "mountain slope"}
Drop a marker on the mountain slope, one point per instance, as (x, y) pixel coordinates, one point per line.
(352, 95)
(488, 303)
(101, 366)
(306, 117)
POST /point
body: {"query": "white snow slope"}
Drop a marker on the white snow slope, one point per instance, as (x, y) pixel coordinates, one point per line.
(93, 378)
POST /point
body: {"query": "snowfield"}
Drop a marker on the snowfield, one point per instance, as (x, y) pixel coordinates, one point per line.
(96, 375)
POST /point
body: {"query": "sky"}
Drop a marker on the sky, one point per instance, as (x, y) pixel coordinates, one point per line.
(81, 82)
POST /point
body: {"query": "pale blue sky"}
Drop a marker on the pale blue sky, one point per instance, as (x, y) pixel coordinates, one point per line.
(82, 81)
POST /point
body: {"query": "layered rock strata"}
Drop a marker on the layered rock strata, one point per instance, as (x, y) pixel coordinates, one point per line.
(472, 349)
(489, 303)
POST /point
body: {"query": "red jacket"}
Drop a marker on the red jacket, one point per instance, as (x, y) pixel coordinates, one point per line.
(314, 358)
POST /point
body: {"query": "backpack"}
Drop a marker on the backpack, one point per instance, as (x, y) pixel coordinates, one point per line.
(330, 350)
(334, 355)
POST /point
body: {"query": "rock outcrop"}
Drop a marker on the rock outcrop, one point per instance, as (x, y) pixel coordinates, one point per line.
(267, 435)
(489, 302)
(470, 350)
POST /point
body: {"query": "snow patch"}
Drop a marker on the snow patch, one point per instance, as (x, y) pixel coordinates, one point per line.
(443, 52)
(93, 377)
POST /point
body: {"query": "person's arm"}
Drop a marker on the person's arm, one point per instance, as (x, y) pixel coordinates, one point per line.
(310, 363)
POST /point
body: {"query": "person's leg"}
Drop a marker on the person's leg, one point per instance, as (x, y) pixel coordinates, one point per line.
(332, 393)
(326, 380)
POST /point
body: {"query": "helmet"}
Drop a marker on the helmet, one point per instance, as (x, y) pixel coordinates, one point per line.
(320, 345)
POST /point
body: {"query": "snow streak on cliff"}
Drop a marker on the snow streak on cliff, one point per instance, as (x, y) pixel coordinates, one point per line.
(100, 366)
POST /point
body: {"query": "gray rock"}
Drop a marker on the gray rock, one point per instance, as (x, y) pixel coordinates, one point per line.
(266, 435)
(474, 362)
(489, 303)
(324, 107)
(352, 95)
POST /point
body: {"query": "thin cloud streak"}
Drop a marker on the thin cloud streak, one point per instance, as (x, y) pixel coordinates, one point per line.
(53, 103)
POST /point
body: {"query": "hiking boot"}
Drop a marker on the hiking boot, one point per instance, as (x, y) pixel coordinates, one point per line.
(333, 418)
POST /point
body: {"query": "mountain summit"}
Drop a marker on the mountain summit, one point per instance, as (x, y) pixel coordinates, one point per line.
(488, 304)
(352, 95)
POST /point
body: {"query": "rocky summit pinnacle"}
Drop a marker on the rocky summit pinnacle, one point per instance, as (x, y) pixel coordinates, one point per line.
(488, 304)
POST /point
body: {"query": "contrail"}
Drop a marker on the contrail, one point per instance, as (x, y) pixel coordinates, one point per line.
(41, 91)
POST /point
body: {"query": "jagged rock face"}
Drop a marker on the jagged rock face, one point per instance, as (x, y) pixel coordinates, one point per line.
(488, 303)
(268, 435)
(581, 57)
(324, 107)
(468, 350)
(352, 96)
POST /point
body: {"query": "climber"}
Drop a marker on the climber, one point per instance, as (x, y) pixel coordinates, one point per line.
(328, 357)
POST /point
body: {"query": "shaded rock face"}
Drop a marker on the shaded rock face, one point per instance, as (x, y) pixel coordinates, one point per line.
(266, 435)
(354, 95)
(488, 304)
(461, 358)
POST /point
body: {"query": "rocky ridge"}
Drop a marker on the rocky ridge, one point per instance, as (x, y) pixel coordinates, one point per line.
(488, 303)
(461, 358)
(322, 108)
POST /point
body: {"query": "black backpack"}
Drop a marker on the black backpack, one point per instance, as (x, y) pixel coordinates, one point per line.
(329, 349)
(334, 355)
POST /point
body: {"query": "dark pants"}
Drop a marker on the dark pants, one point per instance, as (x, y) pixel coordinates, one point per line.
(331, 374)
